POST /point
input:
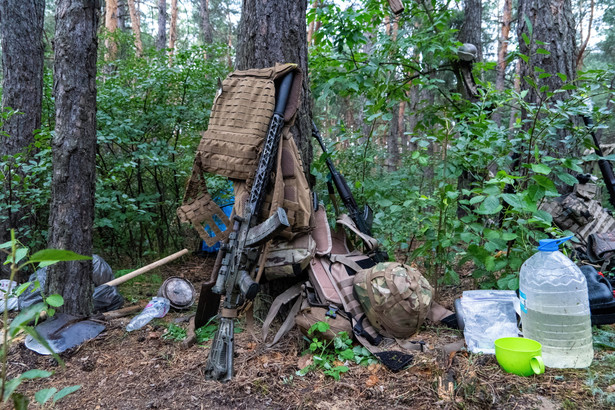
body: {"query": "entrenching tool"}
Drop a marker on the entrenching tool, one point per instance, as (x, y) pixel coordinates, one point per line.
(65, 331)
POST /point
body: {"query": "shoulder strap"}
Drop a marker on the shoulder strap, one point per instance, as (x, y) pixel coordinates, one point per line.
(370, 242)
(290, 294)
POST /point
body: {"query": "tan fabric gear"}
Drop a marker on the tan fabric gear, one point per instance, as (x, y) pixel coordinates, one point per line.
(396, 298)
(239, 121)
(231, 146)
(291, 190)
(311, 315)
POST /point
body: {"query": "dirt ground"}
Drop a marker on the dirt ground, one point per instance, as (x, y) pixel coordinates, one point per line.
(143, 370)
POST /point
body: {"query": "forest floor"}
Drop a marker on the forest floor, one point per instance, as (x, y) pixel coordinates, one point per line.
(143, 370)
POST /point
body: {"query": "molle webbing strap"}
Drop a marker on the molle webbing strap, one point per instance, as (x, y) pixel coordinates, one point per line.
(284, 298)
(199, 209)
(370, 243)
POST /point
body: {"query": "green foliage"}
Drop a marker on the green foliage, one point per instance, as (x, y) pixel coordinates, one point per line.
(149, 117)
(16, 254)
(466, 189)
(207, 332)
(331, 356)
(175, 333)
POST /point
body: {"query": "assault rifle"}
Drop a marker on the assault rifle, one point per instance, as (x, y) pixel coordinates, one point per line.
(606, 168)
(363, 220)
(241, 253)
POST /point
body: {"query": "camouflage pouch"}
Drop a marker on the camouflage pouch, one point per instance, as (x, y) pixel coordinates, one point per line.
(396, 298)
(289, 258)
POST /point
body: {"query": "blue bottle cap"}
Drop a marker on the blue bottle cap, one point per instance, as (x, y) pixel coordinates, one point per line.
(551, 245)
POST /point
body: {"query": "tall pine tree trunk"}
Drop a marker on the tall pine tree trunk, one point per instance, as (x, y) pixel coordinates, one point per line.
(206, 29)
(135, 20)
(554, 31)
(161, 38)
(74, 150)
(111, 26)
(502, 52)
(21, 25)
(173, 28)
(272, 32)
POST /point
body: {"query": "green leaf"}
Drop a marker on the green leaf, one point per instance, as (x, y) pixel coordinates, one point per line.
(42, 396)
(527, 60)
(57, 255)
(35, 374)
(476, 199)
(513, 200)
(567, 179)
(543, 51)
(55, 300)
(25, 316)
(6, 245)
(530, 28)
(526, 40)
(65, 392)
(10, 386)
(20, 254)
(491, 205)
(20, 401)
(562, 77)
(22, 288)
(541, 169)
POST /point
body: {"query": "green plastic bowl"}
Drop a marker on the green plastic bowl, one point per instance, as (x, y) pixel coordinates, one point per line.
(519, 355)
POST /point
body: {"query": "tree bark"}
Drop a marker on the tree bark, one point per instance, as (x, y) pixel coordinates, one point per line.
(161, 38)
(21, 25)
(553, 25)
(111, 26)
(135, 20)
(274, 32)
(173, 28)
(74, 149)
(206, 29)
(502, 52)
(471, 29)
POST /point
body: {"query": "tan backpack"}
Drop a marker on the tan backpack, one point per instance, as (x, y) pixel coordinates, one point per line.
(231, 146)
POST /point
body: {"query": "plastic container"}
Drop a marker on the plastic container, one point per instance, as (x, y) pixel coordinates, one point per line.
(157, 307)
(555, 307)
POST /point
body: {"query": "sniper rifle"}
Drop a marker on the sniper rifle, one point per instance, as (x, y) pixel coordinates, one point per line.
(241, 253)
(363, 220)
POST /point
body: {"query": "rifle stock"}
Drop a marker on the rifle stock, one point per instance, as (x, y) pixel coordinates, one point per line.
(363, 220)
(241, 252)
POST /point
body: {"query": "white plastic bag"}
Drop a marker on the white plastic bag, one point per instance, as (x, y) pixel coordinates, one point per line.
(488, 315)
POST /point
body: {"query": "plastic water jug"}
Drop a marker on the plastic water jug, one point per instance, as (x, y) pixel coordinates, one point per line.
(555, 307)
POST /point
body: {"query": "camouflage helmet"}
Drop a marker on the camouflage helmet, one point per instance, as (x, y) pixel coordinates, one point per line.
(395, 297)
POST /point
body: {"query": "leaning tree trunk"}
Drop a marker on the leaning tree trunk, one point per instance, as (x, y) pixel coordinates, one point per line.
(21, 25)
(275, 32)
(74, 148)
(161, 38)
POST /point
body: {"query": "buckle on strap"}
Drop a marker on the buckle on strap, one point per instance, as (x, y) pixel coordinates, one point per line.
(332, 312)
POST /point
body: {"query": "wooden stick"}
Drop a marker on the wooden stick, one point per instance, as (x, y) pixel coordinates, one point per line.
(114, 314)
(147, 268)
